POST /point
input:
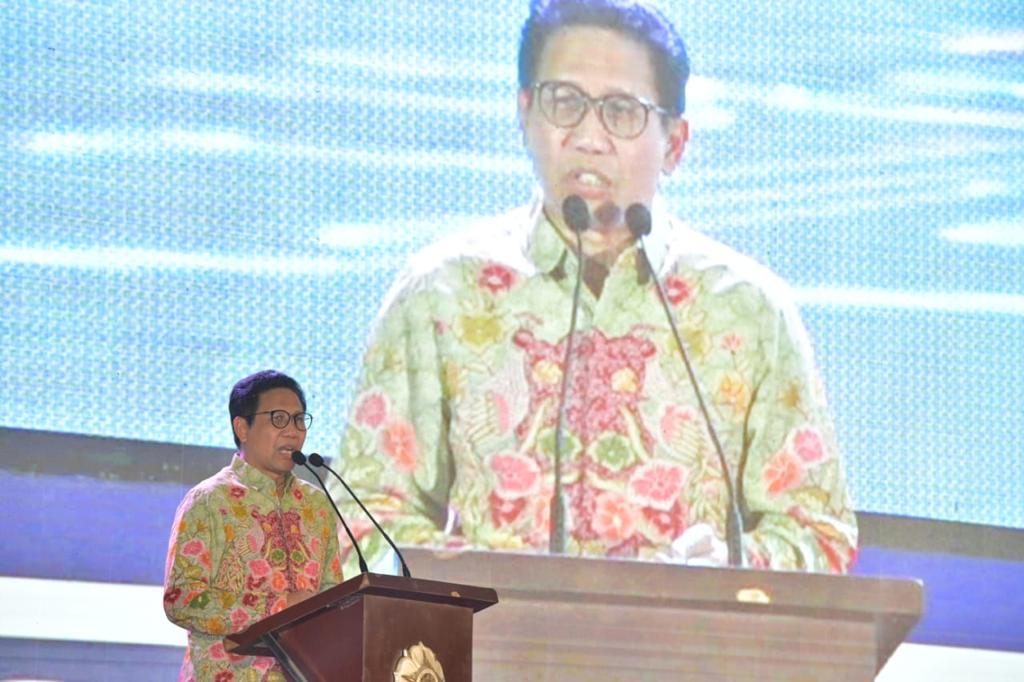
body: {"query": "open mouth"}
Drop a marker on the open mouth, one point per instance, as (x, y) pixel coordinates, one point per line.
(590, 179)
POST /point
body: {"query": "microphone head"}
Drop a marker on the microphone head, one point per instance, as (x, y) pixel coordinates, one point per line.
(315, 459)
(575, 213)
(608, 214)
(638, 218)
(298, 457)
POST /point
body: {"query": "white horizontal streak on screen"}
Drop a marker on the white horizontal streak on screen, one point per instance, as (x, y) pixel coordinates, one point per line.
(233, 142)
(398, 63)
(948, 301)
(799, 99)
(127, 259)
(1006, 42)
(360, 235)
(982, 188)
(994, 233)
(840, 206)
(390, 97)
(945, 84)
(874, 159)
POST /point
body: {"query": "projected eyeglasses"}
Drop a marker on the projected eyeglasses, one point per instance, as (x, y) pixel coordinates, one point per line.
(565, 105)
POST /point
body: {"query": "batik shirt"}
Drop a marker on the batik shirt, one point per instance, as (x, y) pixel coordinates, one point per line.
(451, 435)
(236, 550)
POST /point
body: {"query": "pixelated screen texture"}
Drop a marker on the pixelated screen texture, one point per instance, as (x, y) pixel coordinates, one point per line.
(194, 191)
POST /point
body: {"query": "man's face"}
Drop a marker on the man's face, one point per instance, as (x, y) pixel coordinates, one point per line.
(587, 160)
(265, 446)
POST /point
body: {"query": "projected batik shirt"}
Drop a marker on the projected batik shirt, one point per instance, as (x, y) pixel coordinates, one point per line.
(236, 550)
(451, 435)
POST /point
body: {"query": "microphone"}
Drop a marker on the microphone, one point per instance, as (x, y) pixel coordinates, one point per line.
(638, 219)
(576, 213)
(577, 217)
(300, 458)
(318, 461)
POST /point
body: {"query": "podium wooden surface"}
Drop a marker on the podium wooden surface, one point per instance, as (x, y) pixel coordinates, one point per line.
(572, 619)
(358, 630)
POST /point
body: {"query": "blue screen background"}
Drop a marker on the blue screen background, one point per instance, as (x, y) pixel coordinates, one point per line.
(195, 191)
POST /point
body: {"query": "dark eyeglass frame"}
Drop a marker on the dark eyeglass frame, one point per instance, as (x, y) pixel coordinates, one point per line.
(598, 104)
(302, 420)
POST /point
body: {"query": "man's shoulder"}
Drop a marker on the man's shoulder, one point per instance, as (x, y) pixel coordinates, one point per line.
(213, 488)
(440, 266)
(723, 267)
(500, 237)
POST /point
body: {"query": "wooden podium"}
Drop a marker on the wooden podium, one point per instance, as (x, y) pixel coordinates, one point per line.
(370, 626)
(570, 619)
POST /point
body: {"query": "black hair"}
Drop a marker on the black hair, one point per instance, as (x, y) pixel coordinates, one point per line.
(637, 20)
(245, 395)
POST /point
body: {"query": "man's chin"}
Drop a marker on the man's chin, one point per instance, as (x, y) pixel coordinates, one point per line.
(285, 464)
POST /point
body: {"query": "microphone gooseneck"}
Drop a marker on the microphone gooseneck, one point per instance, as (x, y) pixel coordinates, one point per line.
(577, 217)
(301, 459)
(638, 219)
(316, 460)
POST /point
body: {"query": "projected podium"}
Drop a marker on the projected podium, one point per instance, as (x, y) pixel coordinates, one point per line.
(371, 627)
(571, 619)
(594, 619)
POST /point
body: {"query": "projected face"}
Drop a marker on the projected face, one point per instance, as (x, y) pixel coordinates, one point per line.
(265, 446)
(587, 159)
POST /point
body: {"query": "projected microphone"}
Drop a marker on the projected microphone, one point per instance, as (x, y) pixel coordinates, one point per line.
(576, 214)
(300, 458)
(318, 461)
(638, 218)
(577, 217)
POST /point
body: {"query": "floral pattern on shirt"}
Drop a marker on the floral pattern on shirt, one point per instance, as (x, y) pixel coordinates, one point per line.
(451, 438)
(235, 552)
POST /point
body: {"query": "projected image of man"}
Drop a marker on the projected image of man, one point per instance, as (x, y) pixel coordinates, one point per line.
(484, 420)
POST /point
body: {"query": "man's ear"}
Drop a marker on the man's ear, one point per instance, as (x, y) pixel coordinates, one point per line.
(678, 136)
(523, 101)
(241, 429)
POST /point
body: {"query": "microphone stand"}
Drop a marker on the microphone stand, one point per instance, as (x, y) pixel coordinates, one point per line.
(577, 217)
(300, 458)
(316, 460)
(638, 218)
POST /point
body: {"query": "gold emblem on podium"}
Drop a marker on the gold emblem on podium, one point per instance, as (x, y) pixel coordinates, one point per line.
(418, 664)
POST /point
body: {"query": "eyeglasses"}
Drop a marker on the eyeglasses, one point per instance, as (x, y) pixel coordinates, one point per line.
(280, 418)
(565, 105)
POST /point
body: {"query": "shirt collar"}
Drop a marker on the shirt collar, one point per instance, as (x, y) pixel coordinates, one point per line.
(660, 239)
(546, 248)
(254, 478)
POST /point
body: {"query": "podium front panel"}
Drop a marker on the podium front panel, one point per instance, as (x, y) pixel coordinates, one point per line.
(393, 630)
(545, 641)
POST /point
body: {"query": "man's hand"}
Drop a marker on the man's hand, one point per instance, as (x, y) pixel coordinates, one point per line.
(697, 546)
(294, 598)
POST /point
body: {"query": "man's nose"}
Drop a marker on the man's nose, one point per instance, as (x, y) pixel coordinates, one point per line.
(291, 427)
(590, 134)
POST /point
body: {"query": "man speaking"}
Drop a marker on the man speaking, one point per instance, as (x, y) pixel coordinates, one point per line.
(252, 539)
(584, 375)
